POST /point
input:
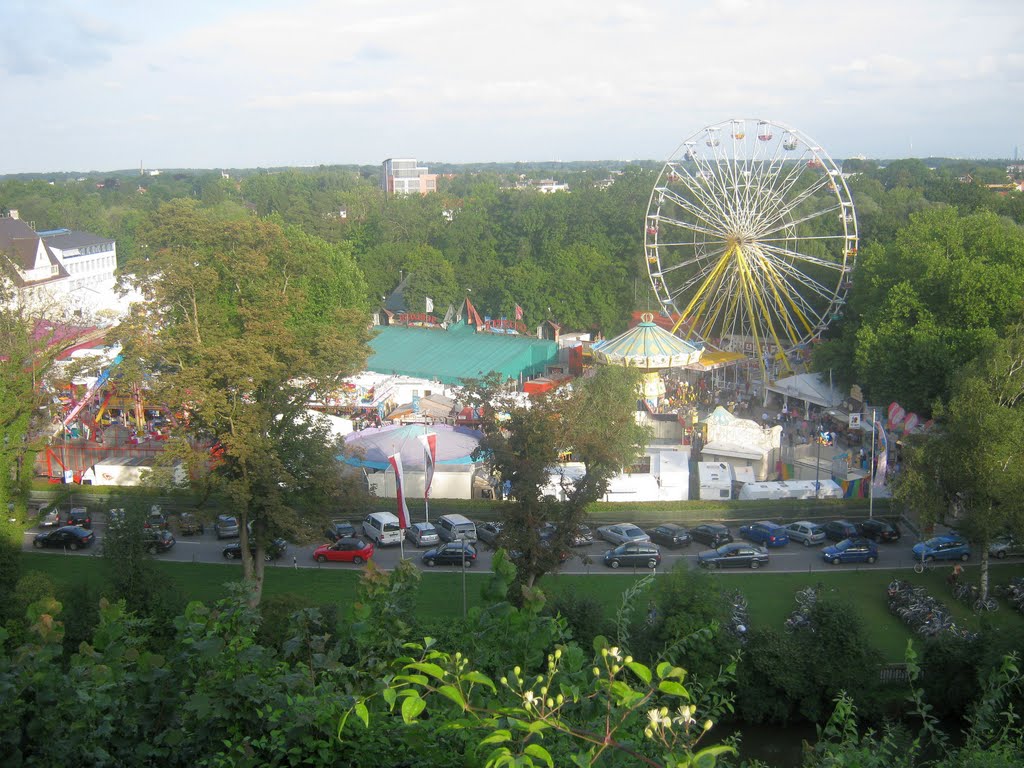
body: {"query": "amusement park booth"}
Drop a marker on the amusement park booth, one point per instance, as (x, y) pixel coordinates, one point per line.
(454, 471)
(715, 480)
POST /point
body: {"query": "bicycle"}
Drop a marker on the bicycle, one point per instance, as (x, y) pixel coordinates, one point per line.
(988, 604)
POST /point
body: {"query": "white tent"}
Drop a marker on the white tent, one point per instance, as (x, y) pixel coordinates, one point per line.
(808, 388)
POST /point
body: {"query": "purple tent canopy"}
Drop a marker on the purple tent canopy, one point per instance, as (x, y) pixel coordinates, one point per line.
(455, 445)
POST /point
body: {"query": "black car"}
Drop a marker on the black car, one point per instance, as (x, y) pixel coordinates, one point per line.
(76, 516)
(581, 535)
(671, 535)
(837, 530)
(711, 534)
(273, 551)
(738, 555)
(189, 524)
(340, 529)
(157, 541)
(66, 537)
(155, 520)
(634, 553)
(450, 553)
(879, 530)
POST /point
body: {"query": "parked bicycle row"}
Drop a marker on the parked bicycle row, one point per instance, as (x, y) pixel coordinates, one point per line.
(924, 613)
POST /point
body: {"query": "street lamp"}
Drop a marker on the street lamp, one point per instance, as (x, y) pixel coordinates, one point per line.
(817, 459)
(462, 539)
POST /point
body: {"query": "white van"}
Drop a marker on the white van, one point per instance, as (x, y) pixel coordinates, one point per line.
(383, 528)
(456, 528)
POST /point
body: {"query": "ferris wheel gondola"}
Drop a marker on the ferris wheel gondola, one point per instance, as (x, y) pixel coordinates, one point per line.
(751, 242)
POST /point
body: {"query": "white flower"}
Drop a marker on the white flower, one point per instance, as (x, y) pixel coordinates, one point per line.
(530, 699)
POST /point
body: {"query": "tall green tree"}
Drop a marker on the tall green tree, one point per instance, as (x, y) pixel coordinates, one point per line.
(244, 320)
(969, 471)
(594, 420)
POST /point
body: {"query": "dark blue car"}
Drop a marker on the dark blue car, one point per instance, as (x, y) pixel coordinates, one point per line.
(763, 532)
(851, 551)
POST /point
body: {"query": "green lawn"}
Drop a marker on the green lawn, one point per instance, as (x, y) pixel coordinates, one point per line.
(770, 595)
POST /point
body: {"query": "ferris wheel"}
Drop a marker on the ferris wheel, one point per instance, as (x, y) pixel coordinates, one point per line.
(751, 238)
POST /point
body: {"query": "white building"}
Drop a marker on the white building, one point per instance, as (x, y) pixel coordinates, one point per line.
(404, 176)
(63, 270)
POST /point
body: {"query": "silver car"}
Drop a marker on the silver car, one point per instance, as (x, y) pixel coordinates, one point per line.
(422, 534)
(805, 532)
(620, 533)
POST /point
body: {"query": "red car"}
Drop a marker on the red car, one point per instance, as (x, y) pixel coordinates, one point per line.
(347, 549)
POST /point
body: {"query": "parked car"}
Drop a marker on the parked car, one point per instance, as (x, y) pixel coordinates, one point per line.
(347, 549)
(66, 537)
(76, 516)
(340, 529)
(766, 533)
(581, 537)
(226, 527)
(620, 533)
(50, 519)
(155, 520)
(942, 548)
(488, 532)
(423, 534)
(189, 525)
(711, 534)
(156, 541)
(735, 555)
(851, 551)
(450, 553)
(879, 530)
(273, 551)
(1006, 546)
(837, 530)
(806, 532)
(634, 553)
(671, 535)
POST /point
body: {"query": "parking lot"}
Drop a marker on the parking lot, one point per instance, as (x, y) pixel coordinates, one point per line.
(791, 558)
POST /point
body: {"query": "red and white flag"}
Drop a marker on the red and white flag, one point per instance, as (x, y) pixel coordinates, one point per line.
(519, 312)
(403, 510)
(429, 442)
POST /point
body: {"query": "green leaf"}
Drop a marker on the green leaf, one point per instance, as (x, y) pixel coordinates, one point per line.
(663, 670)
(428, 669)
(673, 689)
(498, 737)
(536, 750)
(363, 713)
(644, 673)
(707, 758)
(414, 679)
(390, 697)
(411, 708)
(480, 678)
(453, 693)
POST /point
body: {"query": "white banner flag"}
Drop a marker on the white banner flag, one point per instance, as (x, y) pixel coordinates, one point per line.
(430, 305)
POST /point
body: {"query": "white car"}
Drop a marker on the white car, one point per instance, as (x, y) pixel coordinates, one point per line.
(620, 533)
(805, 532)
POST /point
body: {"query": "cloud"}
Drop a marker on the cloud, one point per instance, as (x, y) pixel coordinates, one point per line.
(53, 39)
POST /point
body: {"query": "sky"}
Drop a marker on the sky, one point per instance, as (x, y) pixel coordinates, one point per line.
(114, 84)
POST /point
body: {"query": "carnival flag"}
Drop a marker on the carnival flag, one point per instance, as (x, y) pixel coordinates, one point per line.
(519, 312)
(881, 452)
(429, 442)
(430, 305)
(403, 510)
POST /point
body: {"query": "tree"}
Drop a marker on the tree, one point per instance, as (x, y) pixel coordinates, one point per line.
(968, 471)
(244, 320)
(594, 420)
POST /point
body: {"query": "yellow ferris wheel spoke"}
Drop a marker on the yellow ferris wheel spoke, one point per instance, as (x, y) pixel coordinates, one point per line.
(708, 281)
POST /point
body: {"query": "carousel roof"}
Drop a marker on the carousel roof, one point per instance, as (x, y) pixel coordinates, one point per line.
(649, 346)
(455, 445)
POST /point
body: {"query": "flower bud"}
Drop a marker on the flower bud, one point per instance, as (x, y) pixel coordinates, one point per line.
(707, 725)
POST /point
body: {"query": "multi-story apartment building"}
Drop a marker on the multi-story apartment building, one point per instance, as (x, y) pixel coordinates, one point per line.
(403, 176)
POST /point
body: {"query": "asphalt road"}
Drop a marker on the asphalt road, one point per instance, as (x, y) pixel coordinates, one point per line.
(792, 558)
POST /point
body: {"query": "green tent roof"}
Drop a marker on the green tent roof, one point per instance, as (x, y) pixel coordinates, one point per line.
(449, 356)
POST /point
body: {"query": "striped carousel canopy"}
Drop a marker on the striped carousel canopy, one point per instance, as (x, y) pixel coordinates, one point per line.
(647, 346)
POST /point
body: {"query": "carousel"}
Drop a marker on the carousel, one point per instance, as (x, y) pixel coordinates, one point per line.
(653, 350)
